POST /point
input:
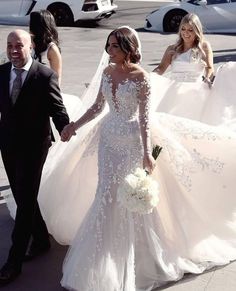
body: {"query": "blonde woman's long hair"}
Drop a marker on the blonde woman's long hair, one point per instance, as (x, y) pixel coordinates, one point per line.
(197, 49)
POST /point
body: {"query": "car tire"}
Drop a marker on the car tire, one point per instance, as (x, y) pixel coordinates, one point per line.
(172, 20)
(62, 14)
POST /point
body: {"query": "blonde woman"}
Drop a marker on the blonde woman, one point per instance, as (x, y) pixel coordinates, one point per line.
(192, 47)
(184, 83)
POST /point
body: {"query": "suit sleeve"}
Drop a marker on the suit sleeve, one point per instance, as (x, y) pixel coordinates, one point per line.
(57, 109)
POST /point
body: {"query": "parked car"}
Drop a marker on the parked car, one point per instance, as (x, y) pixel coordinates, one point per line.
(66, 12)
(217, 16)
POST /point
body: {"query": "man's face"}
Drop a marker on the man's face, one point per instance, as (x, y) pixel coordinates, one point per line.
(18, 48)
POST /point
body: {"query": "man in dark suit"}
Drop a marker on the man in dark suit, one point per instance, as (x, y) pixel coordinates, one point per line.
(29, 96)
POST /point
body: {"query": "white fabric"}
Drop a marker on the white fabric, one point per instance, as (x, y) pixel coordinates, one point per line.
(54, 167)
(181, 92)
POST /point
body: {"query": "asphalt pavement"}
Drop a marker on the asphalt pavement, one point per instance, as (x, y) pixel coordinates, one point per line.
(82, 48)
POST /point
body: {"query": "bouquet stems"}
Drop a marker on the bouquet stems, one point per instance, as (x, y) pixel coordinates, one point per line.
(156, 151)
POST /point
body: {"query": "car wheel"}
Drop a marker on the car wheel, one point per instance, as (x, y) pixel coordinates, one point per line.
(62, 14)
(172, 20)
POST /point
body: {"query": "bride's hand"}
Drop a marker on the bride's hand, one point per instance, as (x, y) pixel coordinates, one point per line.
(68, 131)
(149, 163)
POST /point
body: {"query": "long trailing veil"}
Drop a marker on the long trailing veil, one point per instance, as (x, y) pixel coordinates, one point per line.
(63, 161)
(70, 179)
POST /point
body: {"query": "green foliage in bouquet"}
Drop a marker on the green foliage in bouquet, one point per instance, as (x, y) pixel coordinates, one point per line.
(156, 151)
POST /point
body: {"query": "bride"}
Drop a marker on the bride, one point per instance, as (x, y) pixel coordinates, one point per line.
(192, 229)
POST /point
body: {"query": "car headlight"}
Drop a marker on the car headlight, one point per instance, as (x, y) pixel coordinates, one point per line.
(148, 24)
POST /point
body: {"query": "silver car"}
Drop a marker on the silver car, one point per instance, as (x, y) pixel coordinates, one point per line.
(217, 16)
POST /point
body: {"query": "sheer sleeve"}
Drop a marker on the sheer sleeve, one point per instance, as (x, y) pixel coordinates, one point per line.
(93, 111)
(144, 114)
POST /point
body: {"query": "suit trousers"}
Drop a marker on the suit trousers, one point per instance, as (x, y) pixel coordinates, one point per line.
(24, 169)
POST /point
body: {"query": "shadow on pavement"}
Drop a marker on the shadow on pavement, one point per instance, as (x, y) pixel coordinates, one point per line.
(42, 274)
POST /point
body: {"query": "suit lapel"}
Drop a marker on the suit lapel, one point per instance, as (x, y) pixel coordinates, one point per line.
(31, 73)
(30, 76)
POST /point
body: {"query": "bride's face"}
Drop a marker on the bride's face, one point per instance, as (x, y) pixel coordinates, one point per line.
(187, 33)
(116, 54)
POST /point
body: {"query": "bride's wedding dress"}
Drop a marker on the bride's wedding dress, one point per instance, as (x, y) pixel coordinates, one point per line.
(193, 227)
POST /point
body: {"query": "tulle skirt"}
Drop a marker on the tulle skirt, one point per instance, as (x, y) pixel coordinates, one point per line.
(192, 229)
(195, 100)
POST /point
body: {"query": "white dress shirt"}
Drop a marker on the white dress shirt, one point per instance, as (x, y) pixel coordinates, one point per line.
(24, 74)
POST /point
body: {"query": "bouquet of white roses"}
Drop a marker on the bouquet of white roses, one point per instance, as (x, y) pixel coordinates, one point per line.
(138, 192)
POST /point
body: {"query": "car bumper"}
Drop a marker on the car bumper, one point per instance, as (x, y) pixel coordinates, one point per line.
(100, 13)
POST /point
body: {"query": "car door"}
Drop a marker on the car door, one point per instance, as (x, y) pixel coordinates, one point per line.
(14, 7)
(10, 7)
(217, 15)
(26, 6)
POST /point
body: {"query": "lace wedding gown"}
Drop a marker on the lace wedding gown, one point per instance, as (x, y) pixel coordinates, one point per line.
(193, 227)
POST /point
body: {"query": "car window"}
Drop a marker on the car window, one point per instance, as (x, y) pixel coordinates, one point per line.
(212, 2)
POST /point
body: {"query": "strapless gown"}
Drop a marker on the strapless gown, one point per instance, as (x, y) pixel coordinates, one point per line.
(181, 92)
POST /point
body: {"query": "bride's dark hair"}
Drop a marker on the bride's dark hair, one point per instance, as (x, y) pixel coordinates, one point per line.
(128, 43)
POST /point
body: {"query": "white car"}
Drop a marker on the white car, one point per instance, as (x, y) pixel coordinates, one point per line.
(217, 16)
(66, 12)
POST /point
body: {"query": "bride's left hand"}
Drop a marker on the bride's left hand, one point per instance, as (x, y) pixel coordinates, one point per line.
(149, 163)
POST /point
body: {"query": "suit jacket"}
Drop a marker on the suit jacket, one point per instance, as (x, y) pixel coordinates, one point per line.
(27, 122)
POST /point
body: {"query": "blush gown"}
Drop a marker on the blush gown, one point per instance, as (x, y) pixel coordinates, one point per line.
(181, 92)
(192, 229)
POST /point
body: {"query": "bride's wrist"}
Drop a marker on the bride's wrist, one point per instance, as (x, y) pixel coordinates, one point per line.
(147, 154)
(74, 125)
